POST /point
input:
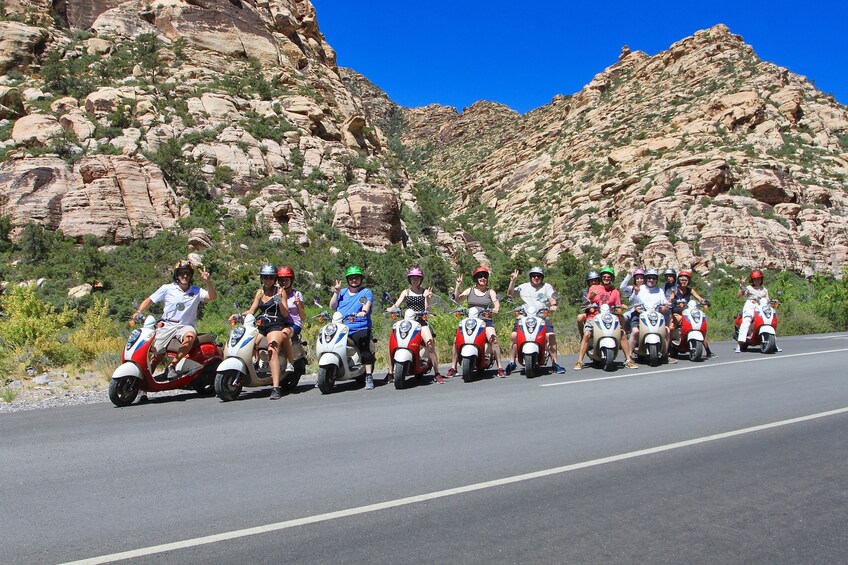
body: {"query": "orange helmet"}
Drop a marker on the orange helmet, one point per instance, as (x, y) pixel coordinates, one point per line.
(285, 271)
(756, 274)
(686, 274)
(481, 270)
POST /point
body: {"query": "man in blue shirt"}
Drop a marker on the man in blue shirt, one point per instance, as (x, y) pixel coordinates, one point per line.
(348, 301)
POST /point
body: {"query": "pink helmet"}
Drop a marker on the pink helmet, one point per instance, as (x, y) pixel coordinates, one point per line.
(415, 272)
(639, 271)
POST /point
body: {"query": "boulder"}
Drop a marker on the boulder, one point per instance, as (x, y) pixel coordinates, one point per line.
(11, 103)
(36, 129)
(370, 214)
(18, 45)
(80, 291)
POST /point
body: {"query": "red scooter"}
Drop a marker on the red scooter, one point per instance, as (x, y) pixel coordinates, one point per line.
(763, 329)
(406, 348)
(531, 339)
(472, 348)
(196, 370)
(690, 336)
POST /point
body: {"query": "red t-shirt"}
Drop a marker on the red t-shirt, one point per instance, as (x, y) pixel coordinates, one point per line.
(600, 295)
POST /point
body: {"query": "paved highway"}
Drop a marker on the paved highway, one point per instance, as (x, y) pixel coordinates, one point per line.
(739, 459)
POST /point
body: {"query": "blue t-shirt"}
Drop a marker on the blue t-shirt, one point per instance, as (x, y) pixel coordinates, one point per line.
(349, 305)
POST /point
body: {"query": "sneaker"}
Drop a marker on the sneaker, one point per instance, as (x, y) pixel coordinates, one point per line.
(555, 367)
(737, 350)
(369, 382)
(263, 361)
(779, 349)
(276, 393)
(289, 368)
(631, 364)
(440, 379)
(502, 373)
(142, 399)
(451, 372)
(172, 373)
(670, 360)
(510, 367)
(578, 366)
(389, 378)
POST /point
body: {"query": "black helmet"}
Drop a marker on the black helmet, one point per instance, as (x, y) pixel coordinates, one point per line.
(268, 270)
(183, 266)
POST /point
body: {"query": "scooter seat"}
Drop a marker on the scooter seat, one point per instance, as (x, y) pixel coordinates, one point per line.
(174, 344)
(203, 339)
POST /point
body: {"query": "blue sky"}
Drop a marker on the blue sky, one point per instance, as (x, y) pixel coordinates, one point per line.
(524, 53)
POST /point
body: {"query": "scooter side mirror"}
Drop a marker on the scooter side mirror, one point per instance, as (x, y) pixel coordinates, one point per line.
(387, 297)
(316, 301)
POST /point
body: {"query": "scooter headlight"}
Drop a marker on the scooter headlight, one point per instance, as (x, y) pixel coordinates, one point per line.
(696, 316)
(607, 320)
(330, 331)
(236, 336)
(136, 333)
(653, 318)
(767, 311)
(531, 324)
(470, 326)
(404, 328)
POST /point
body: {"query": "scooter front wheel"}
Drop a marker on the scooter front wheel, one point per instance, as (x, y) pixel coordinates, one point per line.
(228, 385)
(326, 379)
(291, 380)
(696, 351)
(608, 359)
(769, 343)
(399, 374)
(653, 354)
(468, 368)
(123, 390)
(530, 365)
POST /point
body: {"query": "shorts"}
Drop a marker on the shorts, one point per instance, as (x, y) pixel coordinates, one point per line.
(265, 329)
(362, 340)
(295, 330)
(169, 331)
(588, 326)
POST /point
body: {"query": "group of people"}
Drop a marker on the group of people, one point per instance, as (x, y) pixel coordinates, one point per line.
(281, 311)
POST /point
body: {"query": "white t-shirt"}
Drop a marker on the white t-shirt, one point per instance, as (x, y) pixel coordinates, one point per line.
(758, 293)
(530, 295)
(651, 297)
(180, 306)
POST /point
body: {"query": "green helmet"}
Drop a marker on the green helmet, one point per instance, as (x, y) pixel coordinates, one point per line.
(354, 270)
(607, 271)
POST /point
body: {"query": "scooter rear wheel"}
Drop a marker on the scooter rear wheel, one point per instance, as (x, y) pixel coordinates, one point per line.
(226, 387)
(123, 390)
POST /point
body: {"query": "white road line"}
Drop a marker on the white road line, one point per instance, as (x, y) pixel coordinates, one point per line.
(205, 540)
(637, 373)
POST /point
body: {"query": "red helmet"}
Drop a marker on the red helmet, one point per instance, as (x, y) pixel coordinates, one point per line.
(481, 270)
(756, 274)
(285, 271)
(686, 274)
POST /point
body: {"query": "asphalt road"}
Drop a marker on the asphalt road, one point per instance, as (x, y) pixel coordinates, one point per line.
(740, 459)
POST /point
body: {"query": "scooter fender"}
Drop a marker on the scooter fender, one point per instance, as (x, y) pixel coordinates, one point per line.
(468, 351)
(767, 330)
(652, 338)
(403, 356)
(328, 359)
(232, 364)
(127, 370)
(696, 335)
(608, 342)
(529, 347)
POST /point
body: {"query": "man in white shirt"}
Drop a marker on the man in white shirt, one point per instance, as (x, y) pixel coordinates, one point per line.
(534, 294)
(182, 300)
(650, 296)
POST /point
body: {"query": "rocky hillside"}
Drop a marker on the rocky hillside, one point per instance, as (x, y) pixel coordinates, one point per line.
(699, 155)
(120, 119)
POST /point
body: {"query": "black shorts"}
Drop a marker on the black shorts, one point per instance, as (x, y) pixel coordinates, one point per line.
(362, 340)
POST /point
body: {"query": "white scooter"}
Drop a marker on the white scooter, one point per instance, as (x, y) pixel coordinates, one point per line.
(240, 369)
(653, 332)
(606, 335)
(338, 358)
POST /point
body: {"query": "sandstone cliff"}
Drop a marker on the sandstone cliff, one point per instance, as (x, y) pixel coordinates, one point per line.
(700, 154)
